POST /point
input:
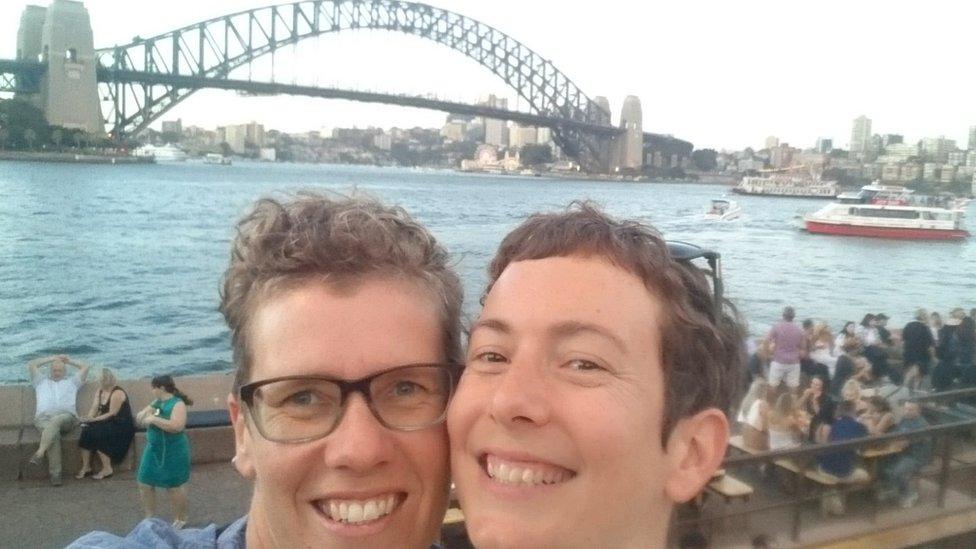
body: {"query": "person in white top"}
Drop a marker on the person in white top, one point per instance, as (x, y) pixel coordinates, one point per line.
(55, 413)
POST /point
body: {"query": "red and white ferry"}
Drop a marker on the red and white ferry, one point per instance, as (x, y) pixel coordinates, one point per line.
(890, 212)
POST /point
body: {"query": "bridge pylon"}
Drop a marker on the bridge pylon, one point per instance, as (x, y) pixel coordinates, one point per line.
(60, 37)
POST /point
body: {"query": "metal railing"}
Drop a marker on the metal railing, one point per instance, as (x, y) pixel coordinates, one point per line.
(803, 460)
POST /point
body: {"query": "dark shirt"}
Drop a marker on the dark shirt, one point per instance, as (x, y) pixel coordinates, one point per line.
(917, 339)
(884, 335)
(841, 463)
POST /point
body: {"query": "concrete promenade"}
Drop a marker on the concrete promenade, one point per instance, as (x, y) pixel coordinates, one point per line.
(34, 514)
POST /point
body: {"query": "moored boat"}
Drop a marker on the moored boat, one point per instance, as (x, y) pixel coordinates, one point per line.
(215, 158)
(888, 212)
(165, 153)
(788, 186)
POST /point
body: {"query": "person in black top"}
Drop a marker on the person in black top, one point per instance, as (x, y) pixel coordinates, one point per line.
(918, 345)
(108, 429)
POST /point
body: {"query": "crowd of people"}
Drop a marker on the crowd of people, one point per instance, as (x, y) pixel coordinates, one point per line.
(107, 430)
(807, 385)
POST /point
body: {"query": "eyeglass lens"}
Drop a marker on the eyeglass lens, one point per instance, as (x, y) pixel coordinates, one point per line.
(305, 408)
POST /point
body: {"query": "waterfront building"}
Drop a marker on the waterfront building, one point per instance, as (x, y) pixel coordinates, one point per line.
(937, 149)
(454, 130)
(892, 139)
(971, 145)
(930, 171)
(771, 142)
(871, 171)
(891, 172)
(520, 136)
(956, 158)
(860, 147)
(496, 132)
(241, 137)
(781, 156)
(173, 126)
(544, 136)
(911, 171)
(947, 174)
(383, 141)
(900, 152)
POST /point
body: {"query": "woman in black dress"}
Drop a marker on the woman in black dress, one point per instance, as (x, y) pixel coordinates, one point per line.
(108, 429)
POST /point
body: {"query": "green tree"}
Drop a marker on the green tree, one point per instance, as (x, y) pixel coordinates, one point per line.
(19, 116)
(30, 136)
(533, 155)
(705, 159)
(57, 135)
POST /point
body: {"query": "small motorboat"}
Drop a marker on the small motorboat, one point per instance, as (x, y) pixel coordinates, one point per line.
(723, 210)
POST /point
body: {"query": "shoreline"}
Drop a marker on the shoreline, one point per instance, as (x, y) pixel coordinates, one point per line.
(73, 158)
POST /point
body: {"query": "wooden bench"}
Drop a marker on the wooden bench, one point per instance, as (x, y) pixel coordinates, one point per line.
(730, 488)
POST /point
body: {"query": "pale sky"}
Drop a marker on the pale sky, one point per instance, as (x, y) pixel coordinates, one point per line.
(722, 74)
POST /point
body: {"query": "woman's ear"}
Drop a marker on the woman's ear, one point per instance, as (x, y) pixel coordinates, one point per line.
(695, 450)
(242, 439)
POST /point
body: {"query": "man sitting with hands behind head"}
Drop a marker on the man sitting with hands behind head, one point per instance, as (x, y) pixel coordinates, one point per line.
(56, 412)
(596, 386)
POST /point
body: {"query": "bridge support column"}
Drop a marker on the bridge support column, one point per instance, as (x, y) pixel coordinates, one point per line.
(627, 149)
(61, 38)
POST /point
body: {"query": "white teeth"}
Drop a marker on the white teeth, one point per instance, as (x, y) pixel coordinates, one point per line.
(370, 512)
(356, 512)
(510, 474)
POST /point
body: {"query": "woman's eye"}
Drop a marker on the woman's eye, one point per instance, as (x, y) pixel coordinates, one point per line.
(490, 357)
(580, 365)
(304, 398)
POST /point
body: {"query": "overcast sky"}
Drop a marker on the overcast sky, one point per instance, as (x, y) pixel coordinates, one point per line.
(722, 74)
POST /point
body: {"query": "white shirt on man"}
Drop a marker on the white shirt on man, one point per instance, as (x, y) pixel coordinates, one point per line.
(57, 397)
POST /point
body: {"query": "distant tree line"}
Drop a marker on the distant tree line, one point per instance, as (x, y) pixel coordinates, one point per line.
(23, 127)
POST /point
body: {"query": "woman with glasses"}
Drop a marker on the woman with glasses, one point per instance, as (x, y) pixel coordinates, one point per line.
(345, 323)
(596, 387)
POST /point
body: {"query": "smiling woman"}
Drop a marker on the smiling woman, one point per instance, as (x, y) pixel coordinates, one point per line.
(346, 335)
(597, 381)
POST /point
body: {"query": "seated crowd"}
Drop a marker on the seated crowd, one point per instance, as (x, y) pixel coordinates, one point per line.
(807, 386)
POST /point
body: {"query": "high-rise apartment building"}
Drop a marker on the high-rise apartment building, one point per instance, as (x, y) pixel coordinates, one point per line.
(971, 146)
(771, 142)
(824, 145)
(496, 132)
(861, 139)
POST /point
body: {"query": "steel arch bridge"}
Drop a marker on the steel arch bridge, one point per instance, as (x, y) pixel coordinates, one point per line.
(213, 48)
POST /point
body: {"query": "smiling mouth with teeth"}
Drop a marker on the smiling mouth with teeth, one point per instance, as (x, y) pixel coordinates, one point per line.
(523, 474)
(359, 511)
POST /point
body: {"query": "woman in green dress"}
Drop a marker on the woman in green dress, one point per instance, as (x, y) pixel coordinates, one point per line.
(166, 459)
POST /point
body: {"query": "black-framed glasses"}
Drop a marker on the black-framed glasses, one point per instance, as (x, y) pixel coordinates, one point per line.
(295, 409)
(683, 251)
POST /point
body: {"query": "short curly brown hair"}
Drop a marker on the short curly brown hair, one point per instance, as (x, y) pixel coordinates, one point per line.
(701, 343)
(340, 240)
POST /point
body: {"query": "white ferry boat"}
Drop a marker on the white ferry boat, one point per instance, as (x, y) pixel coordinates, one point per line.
(216, 158)
(889, 212)
(723, 210)
(165, 153)
(787, 185)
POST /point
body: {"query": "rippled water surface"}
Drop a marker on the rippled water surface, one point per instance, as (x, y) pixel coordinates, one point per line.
(120, 265)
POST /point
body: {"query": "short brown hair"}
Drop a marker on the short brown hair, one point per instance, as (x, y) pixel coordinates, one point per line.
(701, 341)
(336, 239)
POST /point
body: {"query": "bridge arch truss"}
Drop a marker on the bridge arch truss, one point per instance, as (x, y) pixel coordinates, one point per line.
(215, 47)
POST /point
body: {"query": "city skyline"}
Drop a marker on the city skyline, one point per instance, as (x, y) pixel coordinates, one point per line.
(721, 76)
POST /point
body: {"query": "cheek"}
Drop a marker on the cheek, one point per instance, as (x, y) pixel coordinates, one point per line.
(470, 401)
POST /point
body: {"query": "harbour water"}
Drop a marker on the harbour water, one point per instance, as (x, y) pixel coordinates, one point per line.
(120, 265)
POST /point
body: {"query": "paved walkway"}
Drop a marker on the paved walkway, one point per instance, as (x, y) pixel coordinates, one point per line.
(36, 514)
